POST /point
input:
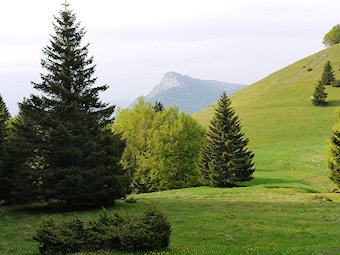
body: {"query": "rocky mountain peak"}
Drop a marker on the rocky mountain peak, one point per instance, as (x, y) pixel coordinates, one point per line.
(172, 80)
(189, 94)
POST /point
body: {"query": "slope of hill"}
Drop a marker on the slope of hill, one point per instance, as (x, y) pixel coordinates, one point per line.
(288, 134)
(189, 94)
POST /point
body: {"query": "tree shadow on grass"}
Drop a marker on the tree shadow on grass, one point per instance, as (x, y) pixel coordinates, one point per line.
(273, 183)
(265, 170)
(261, 180)
(333, 103)
(44, 208)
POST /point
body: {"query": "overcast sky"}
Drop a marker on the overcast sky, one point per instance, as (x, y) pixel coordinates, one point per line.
(134, 42)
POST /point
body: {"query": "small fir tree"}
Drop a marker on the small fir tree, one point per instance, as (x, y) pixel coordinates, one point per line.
(75, 155)
(328, 77)
(319, 95)
(225, 158)
(158, 107)
(334, 153)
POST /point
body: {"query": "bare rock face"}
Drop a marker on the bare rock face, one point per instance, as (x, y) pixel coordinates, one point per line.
(189, 94)
(170, 80)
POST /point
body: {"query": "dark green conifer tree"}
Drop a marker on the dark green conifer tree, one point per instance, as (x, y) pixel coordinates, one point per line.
(4, 117)
(328, 77)
(20, 162)
(225, 158)
(319, 95)
(75, 155)
(4, 178)
(334, 154)
(158, 107)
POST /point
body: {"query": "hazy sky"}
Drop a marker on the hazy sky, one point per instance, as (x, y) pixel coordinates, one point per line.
(135, 42)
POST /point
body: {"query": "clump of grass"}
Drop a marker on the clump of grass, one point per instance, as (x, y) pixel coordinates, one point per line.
(130, 200)
(322, 198)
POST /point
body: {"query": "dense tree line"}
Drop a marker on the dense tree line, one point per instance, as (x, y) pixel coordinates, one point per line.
(65, 148)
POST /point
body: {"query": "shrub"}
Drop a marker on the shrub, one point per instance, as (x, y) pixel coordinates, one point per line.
(60, 237)
(150, 231)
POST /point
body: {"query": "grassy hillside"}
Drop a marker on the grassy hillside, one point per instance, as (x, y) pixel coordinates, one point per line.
(288, 134)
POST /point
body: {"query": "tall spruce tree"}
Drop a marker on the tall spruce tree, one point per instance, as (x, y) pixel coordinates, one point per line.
(75, 157)
(328, 77)
(334, 153)
(319, 95)
(225, 158)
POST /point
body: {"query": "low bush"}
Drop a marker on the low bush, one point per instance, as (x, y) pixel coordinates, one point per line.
(150, 231)
(60, 237)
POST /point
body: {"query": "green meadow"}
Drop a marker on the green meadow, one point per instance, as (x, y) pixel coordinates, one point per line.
(289, 208)
(258, 219)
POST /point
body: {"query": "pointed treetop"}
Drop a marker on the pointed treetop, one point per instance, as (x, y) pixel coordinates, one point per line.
(66, 4)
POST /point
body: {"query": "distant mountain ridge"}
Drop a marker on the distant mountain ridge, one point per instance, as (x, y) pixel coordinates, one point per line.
(189, 94)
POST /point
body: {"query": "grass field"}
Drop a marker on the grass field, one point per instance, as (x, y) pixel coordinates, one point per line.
(260, 219)
(289, 207)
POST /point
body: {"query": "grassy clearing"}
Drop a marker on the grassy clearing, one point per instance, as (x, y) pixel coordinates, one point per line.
(266, 218)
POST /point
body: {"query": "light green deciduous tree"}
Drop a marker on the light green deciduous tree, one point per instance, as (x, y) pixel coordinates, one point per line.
(332, 37)
(162, 147)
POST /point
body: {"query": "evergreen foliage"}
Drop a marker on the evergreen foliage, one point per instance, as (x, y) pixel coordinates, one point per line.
(4, 175)
(162, 147)
(328, 77)
(150, 231)
(73, 156)
(332, 37)
(334, 153)
(4, 117)
(158, 107)
(224, 158)
(319, 95)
